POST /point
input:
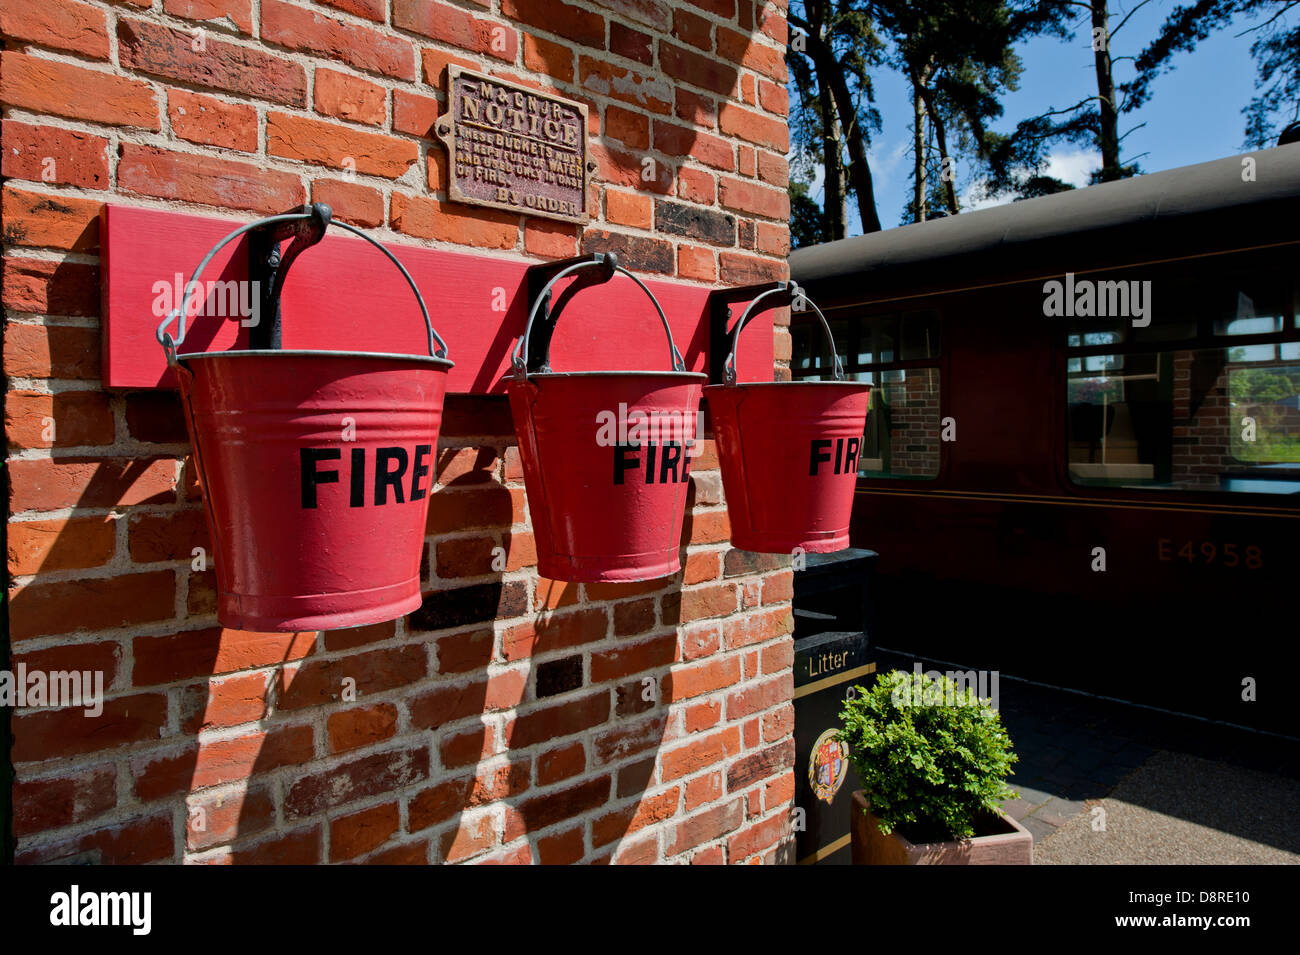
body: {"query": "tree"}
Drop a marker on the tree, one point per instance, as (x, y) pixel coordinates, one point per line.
(1276, 49)
(960, 60)
(832, 52)
(1017, 161)
(806, 219)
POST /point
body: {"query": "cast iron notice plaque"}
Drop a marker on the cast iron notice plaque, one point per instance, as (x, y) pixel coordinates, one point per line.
(510, 147)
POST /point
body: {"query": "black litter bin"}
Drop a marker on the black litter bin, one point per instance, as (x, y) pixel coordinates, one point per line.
(834, 624)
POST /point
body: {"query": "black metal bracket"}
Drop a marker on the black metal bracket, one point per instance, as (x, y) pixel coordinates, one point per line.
(538, 358)
(267, 266)
(720, 316)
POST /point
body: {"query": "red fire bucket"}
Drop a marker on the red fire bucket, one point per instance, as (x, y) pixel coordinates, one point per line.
(316, 469)
(788, 452)
(606, 458)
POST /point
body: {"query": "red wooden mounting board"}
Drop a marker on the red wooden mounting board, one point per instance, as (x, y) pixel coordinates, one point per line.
(342, 294)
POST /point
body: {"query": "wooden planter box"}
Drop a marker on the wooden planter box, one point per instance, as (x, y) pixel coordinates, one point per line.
(1007, 843)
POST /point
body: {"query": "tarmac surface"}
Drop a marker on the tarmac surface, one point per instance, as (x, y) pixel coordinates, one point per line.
(1167, 788)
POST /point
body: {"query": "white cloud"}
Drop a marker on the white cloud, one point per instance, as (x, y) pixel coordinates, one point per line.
(1073, 165)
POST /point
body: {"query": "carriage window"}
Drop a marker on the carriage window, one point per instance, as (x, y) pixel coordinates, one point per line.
(1219, 419)
(898, 356)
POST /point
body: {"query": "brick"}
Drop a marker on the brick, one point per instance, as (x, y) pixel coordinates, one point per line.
(558, 720)
(50, 287)
(239, 13)
(774, 98)
(706, 826)
(697, 679)
(468, 839)
(367, 9)
(302, 847)
(197, 653)
(554, 632)
(356, 834)
(58, 24)
(696, 68)
(703, 789)
(169, 51)
(696, 185)
(368, 776)
(467, 748)
(716, 600)
(54, 802)
(328, 144)
(305, 30)
(548, 58)
(696, 109)
(702, 716)
(361, 726)
(625, 208)
(742, 196)
(349, 638)
(562, 848)
(628, 659)
(602, 77)
(447, 704)
(224, 817)
(434, 63)
(696, 755)
(750, 769)
(749, 270)
(694, 222)
(763, 696)
(633, 44)
(429, 219)
(629, 739)
(632, 129)
(550, 239)
(638, 253)
(65, 544)
(414, 114)
(130, 841)
(452, 25)
(224, 701)
(318, 682)
(51, 154)
(538, 812)
(562, 763)
(437, 804)
(66, 419)
(349, 97)
(634, 616)
(61, 89)
(682, 141)
(156, 417)
(447, 609)
(655, 14)
(410, 853)
(778, 657)
(754, 127)
(217, 762)
(562, 19)
(755, 838)
(465, 557)
(169, 536)
(773, 239)
(699, 641)
(646, 812)
(773, 169)
(694, 262)
(150, 171)
(44, 609)
(350, 201)
(208, 121)
(70, 731)
(463, 652)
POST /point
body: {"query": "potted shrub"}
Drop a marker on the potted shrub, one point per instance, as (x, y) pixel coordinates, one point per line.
(933, 759)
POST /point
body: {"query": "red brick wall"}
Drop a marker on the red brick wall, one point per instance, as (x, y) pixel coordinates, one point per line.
(511, 718)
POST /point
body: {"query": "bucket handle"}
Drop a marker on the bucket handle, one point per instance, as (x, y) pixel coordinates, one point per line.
(797, 294)
(607, 262)
(171, 345)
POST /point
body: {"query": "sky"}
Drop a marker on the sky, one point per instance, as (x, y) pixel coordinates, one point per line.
(1194, 113)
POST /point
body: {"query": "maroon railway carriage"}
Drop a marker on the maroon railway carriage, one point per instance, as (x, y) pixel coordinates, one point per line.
(1082, 462)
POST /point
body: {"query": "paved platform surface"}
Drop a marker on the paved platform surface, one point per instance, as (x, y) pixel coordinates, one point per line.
(1182, 778)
